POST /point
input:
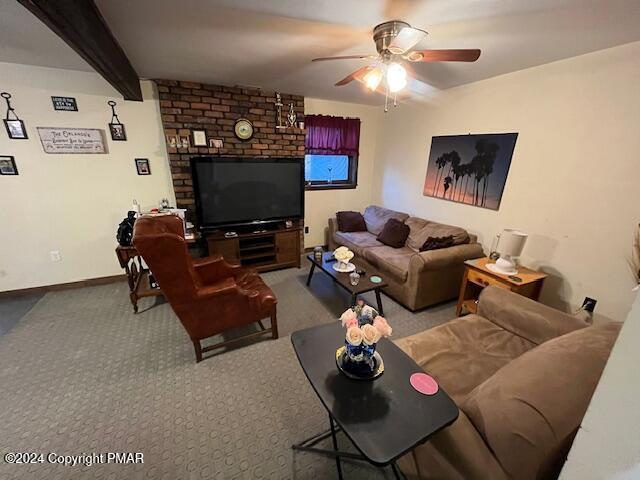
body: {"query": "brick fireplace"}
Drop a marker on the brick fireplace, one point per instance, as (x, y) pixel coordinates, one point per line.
(185, 106)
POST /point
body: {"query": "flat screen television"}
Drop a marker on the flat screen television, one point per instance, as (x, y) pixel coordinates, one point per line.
(231, 192)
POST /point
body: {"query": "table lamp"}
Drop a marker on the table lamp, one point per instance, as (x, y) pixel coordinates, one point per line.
(510, 246)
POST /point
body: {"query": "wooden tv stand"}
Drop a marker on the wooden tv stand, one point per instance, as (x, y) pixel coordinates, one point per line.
(261, 251)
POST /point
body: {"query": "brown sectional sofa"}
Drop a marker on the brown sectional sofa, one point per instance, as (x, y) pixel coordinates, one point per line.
(522, 375)
(416, 279)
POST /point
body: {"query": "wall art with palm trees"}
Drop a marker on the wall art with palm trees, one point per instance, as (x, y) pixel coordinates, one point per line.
(470, 169)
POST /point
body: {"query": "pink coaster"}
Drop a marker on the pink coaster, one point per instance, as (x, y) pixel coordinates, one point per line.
(424, 383)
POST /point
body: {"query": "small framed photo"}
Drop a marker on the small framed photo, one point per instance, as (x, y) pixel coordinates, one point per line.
(118, 133)
(142, 166)
(183, 141)
(199, 138)
(16, 129)
(8, 165)
(172, 141)
(215, 143)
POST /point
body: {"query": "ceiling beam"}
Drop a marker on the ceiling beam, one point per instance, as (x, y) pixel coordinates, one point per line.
(81, 25)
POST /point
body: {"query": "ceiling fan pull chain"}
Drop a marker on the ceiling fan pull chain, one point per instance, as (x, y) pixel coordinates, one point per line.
(386, 99)
(395, 99)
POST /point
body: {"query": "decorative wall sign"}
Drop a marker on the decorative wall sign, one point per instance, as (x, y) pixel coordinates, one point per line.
(72, 140)
(199, 138)
(142, 166)
(116, 128)
(8, 165)
(66, 104)
(470, 169)
(183, 141)
(215, 143)
(15, 127)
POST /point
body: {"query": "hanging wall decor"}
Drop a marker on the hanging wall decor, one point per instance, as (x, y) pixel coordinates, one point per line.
(8, 165)
(116, 128)
(291, 117)
(71, 140)
(470, 169)
(279, 106)
(142, 166)
(66, 104)
(15, 127)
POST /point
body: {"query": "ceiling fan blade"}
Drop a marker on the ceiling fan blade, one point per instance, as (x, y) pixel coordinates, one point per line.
(357, 75)
(470, 55)
(345, 57)
(407, 38)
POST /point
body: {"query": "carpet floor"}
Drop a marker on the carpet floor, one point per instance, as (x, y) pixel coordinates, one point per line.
(80, 374)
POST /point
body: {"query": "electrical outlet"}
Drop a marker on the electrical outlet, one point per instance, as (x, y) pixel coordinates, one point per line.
(55, 255)
(589, 304)
(306, 229)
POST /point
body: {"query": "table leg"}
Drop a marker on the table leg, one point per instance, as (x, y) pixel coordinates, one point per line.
(313, 266)
(354, 299)
(379, 301)
(335, 446)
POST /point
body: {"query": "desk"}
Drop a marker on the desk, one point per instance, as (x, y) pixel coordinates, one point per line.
(477, 276)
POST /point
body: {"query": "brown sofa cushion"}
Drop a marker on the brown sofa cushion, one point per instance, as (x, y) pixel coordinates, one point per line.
(436, 243)
(356, 241)
(421, 230)
(463, 353)
(375, 217)
(351, 222)
(390, 260)
(529, 411)
(394, 233)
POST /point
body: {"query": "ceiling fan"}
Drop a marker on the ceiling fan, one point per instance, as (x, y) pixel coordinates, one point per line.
(394, 42)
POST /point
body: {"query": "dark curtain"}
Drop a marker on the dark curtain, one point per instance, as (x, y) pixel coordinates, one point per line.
(332, 135)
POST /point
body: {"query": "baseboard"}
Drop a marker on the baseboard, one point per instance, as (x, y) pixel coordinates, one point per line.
(64, 286)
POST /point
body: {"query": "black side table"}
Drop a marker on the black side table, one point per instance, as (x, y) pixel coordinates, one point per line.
(384, 418)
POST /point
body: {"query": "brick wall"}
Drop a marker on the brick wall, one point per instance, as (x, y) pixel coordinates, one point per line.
(185, 106)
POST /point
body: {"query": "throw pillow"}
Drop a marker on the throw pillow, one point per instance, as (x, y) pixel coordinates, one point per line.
(394, 233)
(435, 243)
(351, 222)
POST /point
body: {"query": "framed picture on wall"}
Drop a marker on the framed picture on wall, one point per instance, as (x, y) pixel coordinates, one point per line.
(142, 166)
(8, 165)
(199, 138)
(16, 129)
(118, 132)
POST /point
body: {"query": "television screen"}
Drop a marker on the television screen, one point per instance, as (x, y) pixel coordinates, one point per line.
(233, 191)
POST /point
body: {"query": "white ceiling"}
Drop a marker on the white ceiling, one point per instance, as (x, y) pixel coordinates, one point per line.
(270, 43)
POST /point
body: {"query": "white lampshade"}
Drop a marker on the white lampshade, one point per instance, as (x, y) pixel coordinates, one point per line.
(510, 245)
(373, 78)
(511, 242)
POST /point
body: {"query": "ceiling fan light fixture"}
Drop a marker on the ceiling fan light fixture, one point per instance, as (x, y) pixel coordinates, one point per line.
(373, 78)
(396, 77)
(415, 56)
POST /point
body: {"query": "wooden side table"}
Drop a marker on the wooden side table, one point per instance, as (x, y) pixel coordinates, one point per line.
(137, 275)
(477, 276)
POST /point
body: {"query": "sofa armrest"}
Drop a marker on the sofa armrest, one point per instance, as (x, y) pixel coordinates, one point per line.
(525, 317)
(445, 257)
(333, 228)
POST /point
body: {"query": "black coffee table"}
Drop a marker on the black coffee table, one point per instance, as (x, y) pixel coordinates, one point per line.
(342, 279)
(384, 418)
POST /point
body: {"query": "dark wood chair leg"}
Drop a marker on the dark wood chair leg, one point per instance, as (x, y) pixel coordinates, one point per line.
(274, 324)
(198, 348)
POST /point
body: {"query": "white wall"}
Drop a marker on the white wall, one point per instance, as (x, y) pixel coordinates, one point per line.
(73, 203)
(574, 179)
(608, 444)
(322, 204)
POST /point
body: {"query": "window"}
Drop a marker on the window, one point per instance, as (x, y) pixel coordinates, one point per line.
(330, 171)
(331, 145)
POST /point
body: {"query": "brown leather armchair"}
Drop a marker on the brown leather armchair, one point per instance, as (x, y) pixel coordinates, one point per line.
(208, 295)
